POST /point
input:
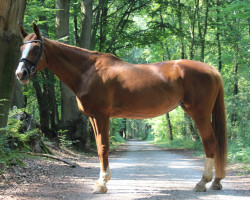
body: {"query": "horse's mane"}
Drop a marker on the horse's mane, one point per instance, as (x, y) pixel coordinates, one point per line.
(75, 47)
(84, 50)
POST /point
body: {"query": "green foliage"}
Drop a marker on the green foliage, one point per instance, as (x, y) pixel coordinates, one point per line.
(180, 143)
(13, 137)
(43, 14)
(159, 125)
(63, 141)
(4, 149)
(151, 31)
(239, 151)
(12, 141)
(137, 129)
(116, 125)
(115, 141)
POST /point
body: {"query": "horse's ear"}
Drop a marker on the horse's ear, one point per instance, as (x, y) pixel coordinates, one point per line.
(36, 31)
(23, 32)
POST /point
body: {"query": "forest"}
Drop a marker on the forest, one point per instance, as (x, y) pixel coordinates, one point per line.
(143, 31)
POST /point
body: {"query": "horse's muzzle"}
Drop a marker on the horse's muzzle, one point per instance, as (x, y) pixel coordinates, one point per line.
(23, 76)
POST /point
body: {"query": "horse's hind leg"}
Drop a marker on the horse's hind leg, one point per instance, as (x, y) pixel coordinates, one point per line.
(209, 144)
(101, 129)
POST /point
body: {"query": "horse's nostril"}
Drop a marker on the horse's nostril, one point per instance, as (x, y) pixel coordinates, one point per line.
(19, 75)
(25, 73)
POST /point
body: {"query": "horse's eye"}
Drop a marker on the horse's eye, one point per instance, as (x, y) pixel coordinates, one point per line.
(35, 49)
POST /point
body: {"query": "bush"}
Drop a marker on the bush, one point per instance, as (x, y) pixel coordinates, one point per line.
(12, 142)
(115, 141)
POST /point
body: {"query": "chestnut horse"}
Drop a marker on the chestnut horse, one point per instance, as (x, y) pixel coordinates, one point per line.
(106, 87)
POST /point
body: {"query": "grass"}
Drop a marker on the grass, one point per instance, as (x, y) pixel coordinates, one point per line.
(179, 143)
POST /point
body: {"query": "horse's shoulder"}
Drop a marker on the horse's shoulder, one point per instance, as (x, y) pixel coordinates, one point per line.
(107, 60)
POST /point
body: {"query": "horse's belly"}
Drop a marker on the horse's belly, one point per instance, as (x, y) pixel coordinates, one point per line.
(136, 114)
(144, 108)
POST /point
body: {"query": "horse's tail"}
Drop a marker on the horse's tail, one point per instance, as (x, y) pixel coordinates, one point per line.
(220, 131)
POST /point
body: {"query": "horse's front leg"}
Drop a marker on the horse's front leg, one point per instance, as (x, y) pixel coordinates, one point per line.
(101, 129)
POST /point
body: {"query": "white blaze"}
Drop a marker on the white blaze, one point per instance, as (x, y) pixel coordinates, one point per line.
(24, 55)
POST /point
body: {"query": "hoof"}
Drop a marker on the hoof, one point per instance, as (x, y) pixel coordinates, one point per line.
(200, 188)
(216, 186)
(100, 188)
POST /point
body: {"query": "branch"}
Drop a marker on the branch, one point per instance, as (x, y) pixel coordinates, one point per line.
(73, 165)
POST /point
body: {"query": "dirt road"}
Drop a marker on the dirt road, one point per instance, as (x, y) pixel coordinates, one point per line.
(143, 171)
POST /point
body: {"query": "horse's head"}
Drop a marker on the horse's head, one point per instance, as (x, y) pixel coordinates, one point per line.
(32, 53)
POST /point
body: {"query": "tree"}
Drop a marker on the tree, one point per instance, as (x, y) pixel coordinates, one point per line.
(11, 17)
(218, 34)
(202, 28)
(18, 99)
(85, 38)
(72, 119)
(111, 22)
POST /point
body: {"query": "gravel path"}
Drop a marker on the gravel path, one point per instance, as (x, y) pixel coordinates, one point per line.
(143, 171)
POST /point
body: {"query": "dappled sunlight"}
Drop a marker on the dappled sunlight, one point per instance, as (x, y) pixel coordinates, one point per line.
(147, 173)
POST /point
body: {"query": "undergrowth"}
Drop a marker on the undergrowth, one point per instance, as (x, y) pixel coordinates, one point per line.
(115, 141)
(13, 142)
(180, 143)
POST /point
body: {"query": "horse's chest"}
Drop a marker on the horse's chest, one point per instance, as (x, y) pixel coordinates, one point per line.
(91, 104)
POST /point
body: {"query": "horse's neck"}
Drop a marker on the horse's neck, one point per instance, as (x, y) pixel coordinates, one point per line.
(68, 63)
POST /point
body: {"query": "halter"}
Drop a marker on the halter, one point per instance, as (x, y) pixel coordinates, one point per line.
(32, 70)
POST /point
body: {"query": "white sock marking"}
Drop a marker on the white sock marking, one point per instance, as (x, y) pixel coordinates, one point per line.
(104, 176)
(208, 169)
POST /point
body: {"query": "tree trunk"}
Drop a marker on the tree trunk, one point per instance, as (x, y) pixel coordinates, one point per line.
(180, 27)
(170, 133)
(75, 15)
(95, 28)
(203, 32)
(218, 35)
(235, 85)
(47, 104)
(42, 98)
(18, 98)
(103, 23)
(62, 20)
(122, 131)
(193, 22)
(85, 38)
(52, 104)
(11, 17)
